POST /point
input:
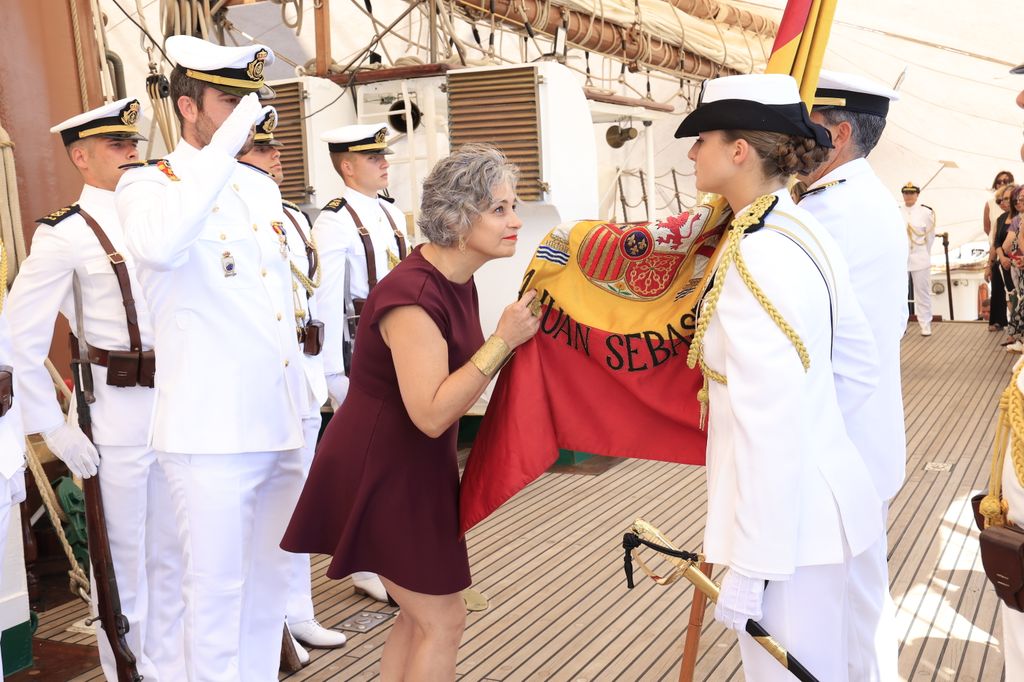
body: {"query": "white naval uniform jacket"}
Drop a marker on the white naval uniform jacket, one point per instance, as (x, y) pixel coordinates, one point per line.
(921, 219)
(229, 376)
(341, 249)
(12, 436)
(120, 415)
(786, 486)
(860, 215)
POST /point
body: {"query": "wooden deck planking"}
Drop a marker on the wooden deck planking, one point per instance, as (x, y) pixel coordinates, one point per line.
(550, 563)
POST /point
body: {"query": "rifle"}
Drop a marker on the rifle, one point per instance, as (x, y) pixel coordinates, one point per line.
(108, 601)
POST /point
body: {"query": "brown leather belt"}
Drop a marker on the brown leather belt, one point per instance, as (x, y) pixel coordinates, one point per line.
(125, 368)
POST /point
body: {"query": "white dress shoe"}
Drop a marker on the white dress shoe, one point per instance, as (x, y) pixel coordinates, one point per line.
(370, 585)
(312, 634)
(1015, 347)
(926, 331)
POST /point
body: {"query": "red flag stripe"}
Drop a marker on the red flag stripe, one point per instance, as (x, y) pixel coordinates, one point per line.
(794, 19)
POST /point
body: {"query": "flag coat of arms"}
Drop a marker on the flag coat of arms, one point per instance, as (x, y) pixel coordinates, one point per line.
(606, 374)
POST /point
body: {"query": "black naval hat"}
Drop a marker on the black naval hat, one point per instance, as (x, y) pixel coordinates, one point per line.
(234, 70)
(853, 92)
(766, 102)
(265, 129)
(115, 119)
(366, 138)
(910, 188)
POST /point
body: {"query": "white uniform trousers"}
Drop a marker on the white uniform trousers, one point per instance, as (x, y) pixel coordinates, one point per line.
(873, 644)
(808, 615)
(147, 562)
(300, 586)
(232, 511)
(1013, 642)
(5, 521)
(923, 297)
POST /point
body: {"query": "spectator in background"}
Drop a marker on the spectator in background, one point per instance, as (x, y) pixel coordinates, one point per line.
(992, 210)
(1011, 257)
(997, 271)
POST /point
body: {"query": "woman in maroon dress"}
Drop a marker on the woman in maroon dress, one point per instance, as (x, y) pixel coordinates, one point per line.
(382, 494)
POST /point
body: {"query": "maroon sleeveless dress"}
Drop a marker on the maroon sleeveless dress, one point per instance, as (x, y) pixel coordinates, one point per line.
(382, 496)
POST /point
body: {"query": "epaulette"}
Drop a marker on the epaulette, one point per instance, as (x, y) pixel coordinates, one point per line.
(822, 188)
(334, 205)
(929, 208)
(257, 169)
(386, 198)
(59, 215)
(294, 207)
(162, 165)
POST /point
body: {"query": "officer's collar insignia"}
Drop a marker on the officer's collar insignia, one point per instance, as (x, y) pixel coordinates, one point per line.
(821, 188)
(256, 168)
(753, 218)
(59, 215)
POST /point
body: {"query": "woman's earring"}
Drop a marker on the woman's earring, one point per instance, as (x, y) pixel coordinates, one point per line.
(462, 242)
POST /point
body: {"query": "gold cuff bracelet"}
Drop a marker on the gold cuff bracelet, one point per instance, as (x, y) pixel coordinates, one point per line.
(491, 356)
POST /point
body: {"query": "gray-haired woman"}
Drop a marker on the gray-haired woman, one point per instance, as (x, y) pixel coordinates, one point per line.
(382, 494)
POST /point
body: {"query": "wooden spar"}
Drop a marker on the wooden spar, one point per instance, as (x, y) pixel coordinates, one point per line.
(322, 24)
(727, 14)
(637, 48)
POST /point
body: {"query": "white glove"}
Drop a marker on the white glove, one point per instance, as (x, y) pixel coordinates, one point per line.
(337, 388)
(72, 447)
(739, 600)
(17, 484)
(234, 131)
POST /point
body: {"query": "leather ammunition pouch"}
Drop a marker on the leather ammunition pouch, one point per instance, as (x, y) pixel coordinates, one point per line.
(6, 389)
(311, 336)
(1002, 555)
(125, 368)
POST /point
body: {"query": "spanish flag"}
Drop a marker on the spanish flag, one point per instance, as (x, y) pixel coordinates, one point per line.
(799, 47)
(607, 372)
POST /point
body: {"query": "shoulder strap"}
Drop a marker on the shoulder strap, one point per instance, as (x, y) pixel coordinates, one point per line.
(364, 236)
(399, 236)
(311, 254)
(821, 263)
(123, 282)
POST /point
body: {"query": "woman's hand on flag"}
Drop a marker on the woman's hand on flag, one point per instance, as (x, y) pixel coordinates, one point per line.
(518, 322)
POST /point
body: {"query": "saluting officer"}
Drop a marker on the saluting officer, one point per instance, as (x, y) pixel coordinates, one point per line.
(208, 238)
(265, 159)
(850, 201)
(86, 239)
(360, 239)
(920, 222)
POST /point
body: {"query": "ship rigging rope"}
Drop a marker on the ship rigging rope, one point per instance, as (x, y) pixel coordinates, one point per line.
(76, 32)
